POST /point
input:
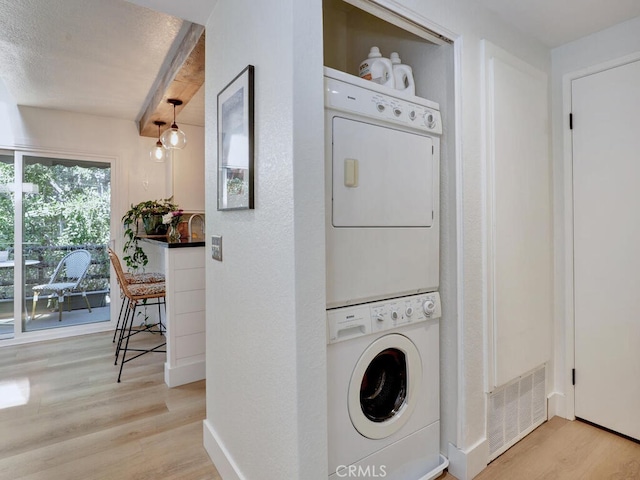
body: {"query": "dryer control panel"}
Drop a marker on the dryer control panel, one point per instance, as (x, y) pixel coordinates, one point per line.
(420, 114)
(358, 320)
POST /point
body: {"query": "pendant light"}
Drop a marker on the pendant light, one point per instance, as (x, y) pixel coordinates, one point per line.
(174, 138)
(158, 152)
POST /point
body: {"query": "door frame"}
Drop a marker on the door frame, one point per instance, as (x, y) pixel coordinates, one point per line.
(21, 336)
(567, 410)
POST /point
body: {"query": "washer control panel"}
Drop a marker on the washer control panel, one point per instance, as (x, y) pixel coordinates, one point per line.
(358, 320)
(423, 116)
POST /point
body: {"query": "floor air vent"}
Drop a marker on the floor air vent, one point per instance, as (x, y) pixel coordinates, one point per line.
(515, 409)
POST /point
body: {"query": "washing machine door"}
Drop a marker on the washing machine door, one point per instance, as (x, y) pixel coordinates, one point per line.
(384, 386)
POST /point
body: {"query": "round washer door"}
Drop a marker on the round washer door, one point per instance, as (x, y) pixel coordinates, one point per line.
(384, 386)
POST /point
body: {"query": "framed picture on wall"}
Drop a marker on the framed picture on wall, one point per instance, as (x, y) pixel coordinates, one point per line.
(235, 142)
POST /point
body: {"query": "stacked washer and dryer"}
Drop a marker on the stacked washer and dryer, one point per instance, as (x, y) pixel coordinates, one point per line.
(383, 306)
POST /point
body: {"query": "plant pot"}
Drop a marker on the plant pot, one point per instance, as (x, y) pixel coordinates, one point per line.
(153, 225)
(173, 234)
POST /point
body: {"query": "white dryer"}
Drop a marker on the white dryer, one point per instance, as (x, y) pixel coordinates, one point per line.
(383, 389)
(382, 192)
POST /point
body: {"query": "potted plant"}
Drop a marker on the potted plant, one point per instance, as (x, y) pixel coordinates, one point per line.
(149, 213)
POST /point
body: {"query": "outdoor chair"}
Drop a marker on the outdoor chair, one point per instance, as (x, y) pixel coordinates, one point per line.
(65, 279)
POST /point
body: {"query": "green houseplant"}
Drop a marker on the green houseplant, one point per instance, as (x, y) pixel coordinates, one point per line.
(149, 213)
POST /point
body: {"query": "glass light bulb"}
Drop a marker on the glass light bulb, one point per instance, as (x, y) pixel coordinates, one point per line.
(173, 138)
(158, 152)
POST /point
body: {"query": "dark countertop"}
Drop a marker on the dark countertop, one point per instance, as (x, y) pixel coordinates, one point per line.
(162, 241)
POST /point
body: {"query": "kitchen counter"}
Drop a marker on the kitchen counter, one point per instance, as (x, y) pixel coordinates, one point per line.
(184, 269)
(163, 241)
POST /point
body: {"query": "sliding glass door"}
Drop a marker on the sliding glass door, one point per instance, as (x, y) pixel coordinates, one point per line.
(7, 209)
(58, 258)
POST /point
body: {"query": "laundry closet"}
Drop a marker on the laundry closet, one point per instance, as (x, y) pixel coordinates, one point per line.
(364, 310)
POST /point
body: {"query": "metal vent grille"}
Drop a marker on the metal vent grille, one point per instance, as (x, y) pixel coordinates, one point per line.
(515, 410)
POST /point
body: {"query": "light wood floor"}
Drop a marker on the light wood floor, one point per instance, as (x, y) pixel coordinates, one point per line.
(564, 450)
(79, 424)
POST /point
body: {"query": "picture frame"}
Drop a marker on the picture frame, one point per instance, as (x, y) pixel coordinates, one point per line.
(236, 142)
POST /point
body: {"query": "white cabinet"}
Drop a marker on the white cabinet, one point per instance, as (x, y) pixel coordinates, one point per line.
(185, 310)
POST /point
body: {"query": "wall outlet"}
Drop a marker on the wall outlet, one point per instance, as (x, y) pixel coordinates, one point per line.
(216, 247)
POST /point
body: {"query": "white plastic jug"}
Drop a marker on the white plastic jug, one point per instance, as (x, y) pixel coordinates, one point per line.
(377, 68)
(402, 75)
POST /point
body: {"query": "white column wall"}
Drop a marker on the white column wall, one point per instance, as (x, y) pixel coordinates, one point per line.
(266, 366)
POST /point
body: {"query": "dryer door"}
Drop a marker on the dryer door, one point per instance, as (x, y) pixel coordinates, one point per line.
(382, 176)
(384, 386)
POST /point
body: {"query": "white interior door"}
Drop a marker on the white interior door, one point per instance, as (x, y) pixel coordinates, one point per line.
(606, 173)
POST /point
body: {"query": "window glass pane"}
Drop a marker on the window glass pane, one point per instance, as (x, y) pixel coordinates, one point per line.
(66, 208)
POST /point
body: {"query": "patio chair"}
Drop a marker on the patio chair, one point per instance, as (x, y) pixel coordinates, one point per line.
(65, 279)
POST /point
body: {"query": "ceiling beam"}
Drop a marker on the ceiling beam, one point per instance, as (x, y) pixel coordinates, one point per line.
(181, 76)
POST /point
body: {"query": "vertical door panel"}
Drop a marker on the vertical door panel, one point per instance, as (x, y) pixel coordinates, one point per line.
(606, 173)
(520, 218)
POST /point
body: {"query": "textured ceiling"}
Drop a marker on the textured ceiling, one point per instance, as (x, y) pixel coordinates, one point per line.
(556, 22)
(196, 11)
(93, 56)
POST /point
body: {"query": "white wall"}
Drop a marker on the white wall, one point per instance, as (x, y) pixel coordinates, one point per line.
(579, 57)
(266, 372)
(186, 176)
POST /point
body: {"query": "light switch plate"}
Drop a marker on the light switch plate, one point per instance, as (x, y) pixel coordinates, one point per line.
(216, 247)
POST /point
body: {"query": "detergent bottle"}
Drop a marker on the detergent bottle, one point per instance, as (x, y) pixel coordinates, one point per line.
(402, 75)
(377, 68)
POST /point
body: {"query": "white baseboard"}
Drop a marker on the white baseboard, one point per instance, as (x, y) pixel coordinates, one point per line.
(556, 405)
(464, 465)
(176, 376)
(219, 455)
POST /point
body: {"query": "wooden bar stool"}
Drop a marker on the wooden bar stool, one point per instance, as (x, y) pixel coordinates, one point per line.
(137, 295)
(131, 279)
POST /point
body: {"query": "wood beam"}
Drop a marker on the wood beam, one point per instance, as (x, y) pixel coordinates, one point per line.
(181, 77)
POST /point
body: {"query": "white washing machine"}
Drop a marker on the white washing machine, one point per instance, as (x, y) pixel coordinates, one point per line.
(383, 389)
(382, 192)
